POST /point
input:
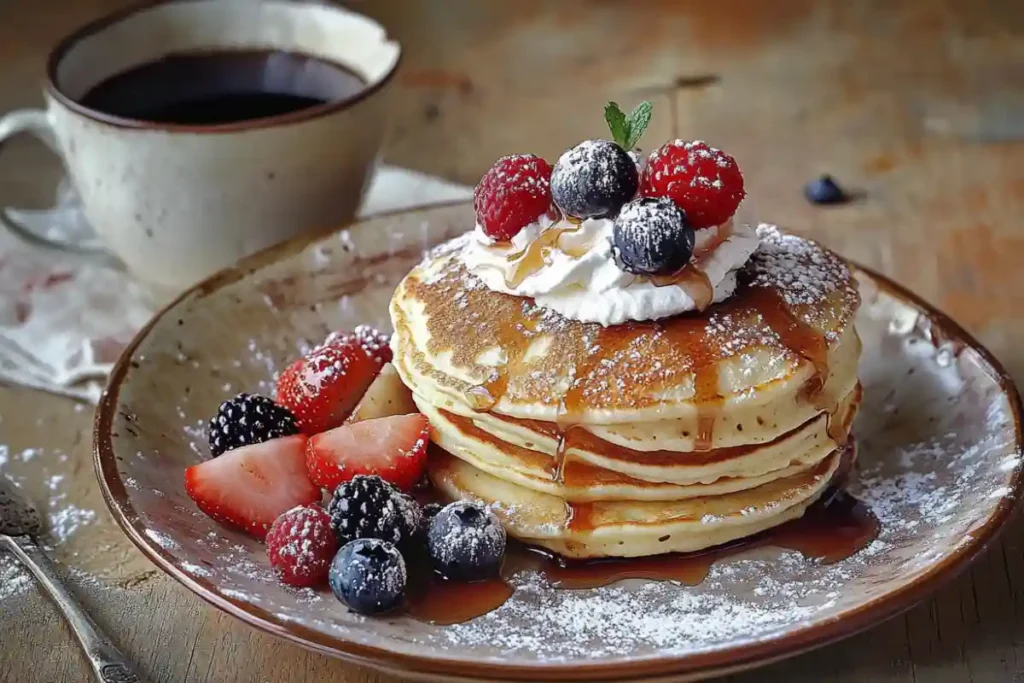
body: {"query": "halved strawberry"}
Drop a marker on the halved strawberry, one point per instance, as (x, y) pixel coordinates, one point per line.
(395, 448)
(249, 487)
(386, 396)
(322, 388)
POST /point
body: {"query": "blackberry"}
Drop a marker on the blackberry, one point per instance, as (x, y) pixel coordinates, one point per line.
(651, 236)
(466, 541)
(369, 576)
(594, 179)
(369, 507)
(248, 419)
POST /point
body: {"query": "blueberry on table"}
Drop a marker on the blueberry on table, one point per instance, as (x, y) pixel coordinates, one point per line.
(594, 179)
(466, 542)
(825, 190)
(651, 236)
(369, 576)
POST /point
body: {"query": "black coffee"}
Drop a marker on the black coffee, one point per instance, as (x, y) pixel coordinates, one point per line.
(209, 88)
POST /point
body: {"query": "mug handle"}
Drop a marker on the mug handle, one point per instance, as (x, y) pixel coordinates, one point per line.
(36, 122)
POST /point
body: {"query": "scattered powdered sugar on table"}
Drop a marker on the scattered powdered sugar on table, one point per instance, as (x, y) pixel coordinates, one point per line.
(13, 577)
(46, 478)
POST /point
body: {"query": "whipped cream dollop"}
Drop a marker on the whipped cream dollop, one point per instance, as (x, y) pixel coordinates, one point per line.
(571, 269)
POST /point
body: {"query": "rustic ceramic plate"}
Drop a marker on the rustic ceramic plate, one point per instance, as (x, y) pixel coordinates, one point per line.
(940, 466)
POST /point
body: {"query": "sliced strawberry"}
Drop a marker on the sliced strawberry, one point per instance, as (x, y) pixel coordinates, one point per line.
(386, 396)
(395, 448)
(322, 388)
(249, 487)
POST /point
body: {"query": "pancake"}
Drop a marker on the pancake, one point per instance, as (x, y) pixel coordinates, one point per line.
(642, 438)
(778, 352)
(820, 434)
(633, 528)
(574, 478)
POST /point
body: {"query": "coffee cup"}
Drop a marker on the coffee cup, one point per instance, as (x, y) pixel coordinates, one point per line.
(197, 132)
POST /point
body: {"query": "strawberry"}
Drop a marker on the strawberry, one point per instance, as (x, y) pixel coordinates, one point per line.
(249, 487)
(301, 545)
(703, 181)
(394, 448)
(386, 396)
(515, 192)
(322, 388)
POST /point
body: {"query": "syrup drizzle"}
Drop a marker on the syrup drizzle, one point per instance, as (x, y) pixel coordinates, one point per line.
(691, 279)
(806, 342)
(534, 257)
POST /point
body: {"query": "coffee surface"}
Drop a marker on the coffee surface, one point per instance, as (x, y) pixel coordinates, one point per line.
(219, 87)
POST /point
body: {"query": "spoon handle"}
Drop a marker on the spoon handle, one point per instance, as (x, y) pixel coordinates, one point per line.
(106, 660)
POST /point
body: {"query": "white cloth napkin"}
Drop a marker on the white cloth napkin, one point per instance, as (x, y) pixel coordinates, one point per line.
(63, 321)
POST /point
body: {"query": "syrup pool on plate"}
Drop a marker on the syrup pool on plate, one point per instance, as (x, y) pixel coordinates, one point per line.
(833, 529)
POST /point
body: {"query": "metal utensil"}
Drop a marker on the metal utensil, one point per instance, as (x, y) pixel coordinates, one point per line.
(20, 526)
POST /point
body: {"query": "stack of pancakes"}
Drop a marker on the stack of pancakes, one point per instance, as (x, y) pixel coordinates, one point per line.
(641, 438)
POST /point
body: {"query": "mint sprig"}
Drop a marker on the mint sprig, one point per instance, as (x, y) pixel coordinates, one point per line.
(626, 130)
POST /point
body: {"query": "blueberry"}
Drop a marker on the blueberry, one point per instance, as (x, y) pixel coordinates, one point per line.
(594, 179)
(466, 541)
(651, 236)
(369, 576)
(824, 190)
(429, 511)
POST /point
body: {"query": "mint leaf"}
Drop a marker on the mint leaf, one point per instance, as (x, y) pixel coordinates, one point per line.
(636, 124)
(617, 123)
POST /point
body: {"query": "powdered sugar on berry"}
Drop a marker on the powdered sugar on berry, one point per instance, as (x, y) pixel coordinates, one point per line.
(579, 278)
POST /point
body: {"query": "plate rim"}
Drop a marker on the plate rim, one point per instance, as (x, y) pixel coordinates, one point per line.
(741, 657)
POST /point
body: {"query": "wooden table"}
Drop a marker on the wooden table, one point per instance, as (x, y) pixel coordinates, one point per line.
(919, 106)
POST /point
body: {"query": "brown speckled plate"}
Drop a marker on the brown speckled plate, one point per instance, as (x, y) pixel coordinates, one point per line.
(940, 466)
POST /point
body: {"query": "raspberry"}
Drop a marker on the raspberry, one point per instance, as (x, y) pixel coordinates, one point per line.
(515, 192)
(301, 546)
(703, 181)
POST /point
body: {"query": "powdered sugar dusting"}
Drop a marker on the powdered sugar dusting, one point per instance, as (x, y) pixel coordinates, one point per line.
(797, 268)
(46, 477)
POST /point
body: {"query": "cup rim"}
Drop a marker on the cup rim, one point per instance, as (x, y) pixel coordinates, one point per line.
(60, 50)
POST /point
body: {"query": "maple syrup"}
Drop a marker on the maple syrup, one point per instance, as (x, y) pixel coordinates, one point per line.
(436, 600)
(833, 529)
(534, 257)
(693, 280)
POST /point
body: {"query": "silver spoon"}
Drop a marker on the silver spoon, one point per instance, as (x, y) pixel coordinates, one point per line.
(19, 528)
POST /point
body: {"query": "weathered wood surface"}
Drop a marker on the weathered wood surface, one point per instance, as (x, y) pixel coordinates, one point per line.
(919, 106)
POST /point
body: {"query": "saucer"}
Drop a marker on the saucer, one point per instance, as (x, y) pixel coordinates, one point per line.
(939, 466)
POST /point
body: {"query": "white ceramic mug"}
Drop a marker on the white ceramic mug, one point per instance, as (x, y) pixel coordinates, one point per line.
(177, 202)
